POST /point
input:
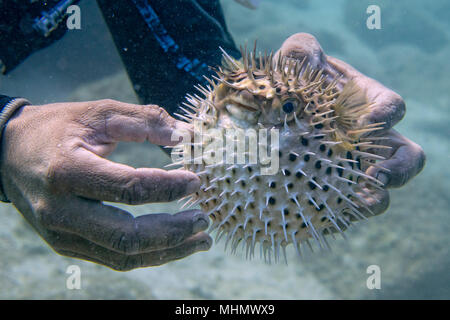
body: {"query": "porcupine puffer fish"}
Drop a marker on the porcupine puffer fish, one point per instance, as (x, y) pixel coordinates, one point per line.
(319, 188)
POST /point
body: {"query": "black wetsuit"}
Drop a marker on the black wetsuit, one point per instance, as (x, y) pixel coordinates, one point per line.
(165, 45)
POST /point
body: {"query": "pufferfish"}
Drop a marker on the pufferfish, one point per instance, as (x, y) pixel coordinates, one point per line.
(319, 187)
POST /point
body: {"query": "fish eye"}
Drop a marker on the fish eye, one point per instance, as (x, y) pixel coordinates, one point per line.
(288, 107)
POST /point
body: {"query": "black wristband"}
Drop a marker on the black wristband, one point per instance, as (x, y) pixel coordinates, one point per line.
(4, 100)
(8, 105)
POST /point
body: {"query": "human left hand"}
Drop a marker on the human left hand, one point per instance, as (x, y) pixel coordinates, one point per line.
(55, 172)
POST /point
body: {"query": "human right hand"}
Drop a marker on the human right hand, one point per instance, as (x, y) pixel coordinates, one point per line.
(54, 171)
(403, 158)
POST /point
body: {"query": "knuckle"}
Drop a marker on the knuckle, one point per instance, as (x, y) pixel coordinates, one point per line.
(102, 109)
(158, 116)
(106, 103)
(55, 174)
(162, 116)
(128, 263)
(399, 176)
(123, 265)
(126, 242)
(303, 45)
(383, 203)
(172, 194)
(133, 192)
(390, 109)
(399, 103)
(414, 157)
(43, 213)
(52, 238)
(399, 107)
(60, 250)
(421, 159)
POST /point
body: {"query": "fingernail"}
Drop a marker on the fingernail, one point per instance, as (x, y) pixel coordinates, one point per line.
(204, 245)
(383, 178)
(200, 222)
(193, 185)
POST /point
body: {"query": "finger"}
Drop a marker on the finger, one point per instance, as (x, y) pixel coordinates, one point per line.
(77, 247)
(407, 159)
(85, 174)
(117, 230)
(303, 46)
(114, 121)
(388, 106)
(376, 201)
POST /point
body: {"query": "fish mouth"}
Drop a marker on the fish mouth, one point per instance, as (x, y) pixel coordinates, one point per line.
(240, 103)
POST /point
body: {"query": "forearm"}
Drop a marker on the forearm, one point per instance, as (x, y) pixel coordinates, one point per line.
(167, 57)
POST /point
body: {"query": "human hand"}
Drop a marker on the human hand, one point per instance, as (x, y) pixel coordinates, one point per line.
(54, 171)
(403, 159)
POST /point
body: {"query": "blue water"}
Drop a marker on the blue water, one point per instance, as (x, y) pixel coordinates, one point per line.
(410, 242)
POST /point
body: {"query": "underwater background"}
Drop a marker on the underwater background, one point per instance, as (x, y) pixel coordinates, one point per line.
(410, 242)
